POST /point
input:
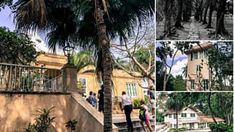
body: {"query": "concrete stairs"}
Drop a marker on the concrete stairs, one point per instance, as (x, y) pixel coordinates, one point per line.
(165, 128)
(122, 125)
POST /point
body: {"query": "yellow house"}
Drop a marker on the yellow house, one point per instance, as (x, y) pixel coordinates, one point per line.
(122, 81)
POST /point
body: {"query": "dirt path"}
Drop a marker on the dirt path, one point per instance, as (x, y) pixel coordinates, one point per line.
(194, 30)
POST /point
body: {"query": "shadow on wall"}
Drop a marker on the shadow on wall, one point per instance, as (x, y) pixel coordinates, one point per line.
(18, 110)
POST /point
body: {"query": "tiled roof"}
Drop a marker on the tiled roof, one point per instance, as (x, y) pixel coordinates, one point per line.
(199, 48)
(208, 119)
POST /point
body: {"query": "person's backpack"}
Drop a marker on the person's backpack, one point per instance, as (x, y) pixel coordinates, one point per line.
(142, 114)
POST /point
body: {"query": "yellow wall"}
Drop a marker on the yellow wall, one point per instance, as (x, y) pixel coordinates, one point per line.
(120, 78)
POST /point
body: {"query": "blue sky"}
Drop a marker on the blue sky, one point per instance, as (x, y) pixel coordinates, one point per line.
(179, 62)
(6, 20)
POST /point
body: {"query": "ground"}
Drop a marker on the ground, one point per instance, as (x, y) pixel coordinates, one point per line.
(194, 30)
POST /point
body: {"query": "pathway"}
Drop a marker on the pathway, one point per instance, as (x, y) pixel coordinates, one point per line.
(194, 33)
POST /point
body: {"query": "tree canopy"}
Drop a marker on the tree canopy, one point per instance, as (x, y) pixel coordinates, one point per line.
(16, 48)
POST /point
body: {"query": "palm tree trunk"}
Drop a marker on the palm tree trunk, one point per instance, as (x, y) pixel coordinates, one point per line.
(106, 63)
(177, 119)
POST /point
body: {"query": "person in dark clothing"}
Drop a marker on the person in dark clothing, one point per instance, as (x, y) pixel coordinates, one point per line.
(101, 99)
(90, 98)
(126, 105)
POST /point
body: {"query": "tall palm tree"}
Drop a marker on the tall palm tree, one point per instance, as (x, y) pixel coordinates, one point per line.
(175, 103)
(90, 23)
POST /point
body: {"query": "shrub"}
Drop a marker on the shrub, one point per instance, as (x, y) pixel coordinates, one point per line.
(43, 121)
(136, 103)
(71, 124)
(221, 127)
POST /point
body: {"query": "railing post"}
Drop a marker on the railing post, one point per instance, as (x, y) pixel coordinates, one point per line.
(69, 78)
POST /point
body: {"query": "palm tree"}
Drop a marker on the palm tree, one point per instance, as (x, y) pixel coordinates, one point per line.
(90, 23)
(175, 103)
(82, 59)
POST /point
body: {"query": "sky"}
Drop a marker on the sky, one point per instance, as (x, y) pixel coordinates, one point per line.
(6, 20)
(180, 62)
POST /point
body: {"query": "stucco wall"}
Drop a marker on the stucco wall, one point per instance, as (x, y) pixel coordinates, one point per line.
(17, 110)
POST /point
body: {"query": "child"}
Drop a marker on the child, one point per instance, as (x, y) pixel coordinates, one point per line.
(144, 116)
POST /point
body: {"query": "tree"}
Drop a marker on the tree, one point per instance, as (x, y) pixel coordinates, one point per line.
(179, 83)
(91, 23)
(179, 14)
(160, 81)
(175, 103)
(16, 48)
(82, 59)
(221, 65)
(220, 28)
(138, 52)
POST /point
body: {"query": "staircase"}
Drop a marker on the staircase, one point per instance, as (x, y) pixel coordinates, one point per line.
(120, 122)
(164, 128)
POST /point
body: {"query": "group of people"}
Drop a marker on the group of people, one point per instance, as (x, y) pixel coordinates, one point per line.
(127, 107)
(144, 114)
(92, 99)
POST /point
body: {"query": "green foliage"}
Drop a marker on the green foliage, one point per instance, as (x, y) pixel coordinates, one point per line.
(137, 103)
(160, 75)
(42, 121)
(221, 103)
(221, 64)
(147, 100)
(4, 3)
(71, 124)
(220, 127)
(16, 48)
(82, 59)
(179, 83)
(159, 116)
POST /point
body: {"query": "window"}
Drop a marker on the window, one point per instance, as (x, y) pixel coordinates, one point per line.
(192, 84)
(174, 116)
(169, 115)
(195, 55)
(131, 89)
(183, 115)
(192, 115)
(205, 84)
(198, 68)
(83, 82)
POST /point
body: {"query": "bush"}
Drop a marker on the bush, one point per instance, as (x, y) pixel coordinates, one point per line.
(221, 127)
(136, 103)
(43, 121)
(71, 124)
(159, 116)
(147, 100)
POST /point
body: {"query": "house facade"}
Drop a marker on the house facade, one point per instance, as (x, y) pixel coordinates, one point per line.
(189, 118)
(87, 79)
(198, 74)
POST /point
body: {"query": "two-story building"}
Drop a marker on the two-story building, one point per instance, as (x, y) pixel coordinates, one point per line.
(198, 73)
(189, 118)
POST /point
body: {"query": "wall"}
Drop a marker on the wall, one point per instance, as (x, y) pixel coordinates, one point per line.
(17, 110)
